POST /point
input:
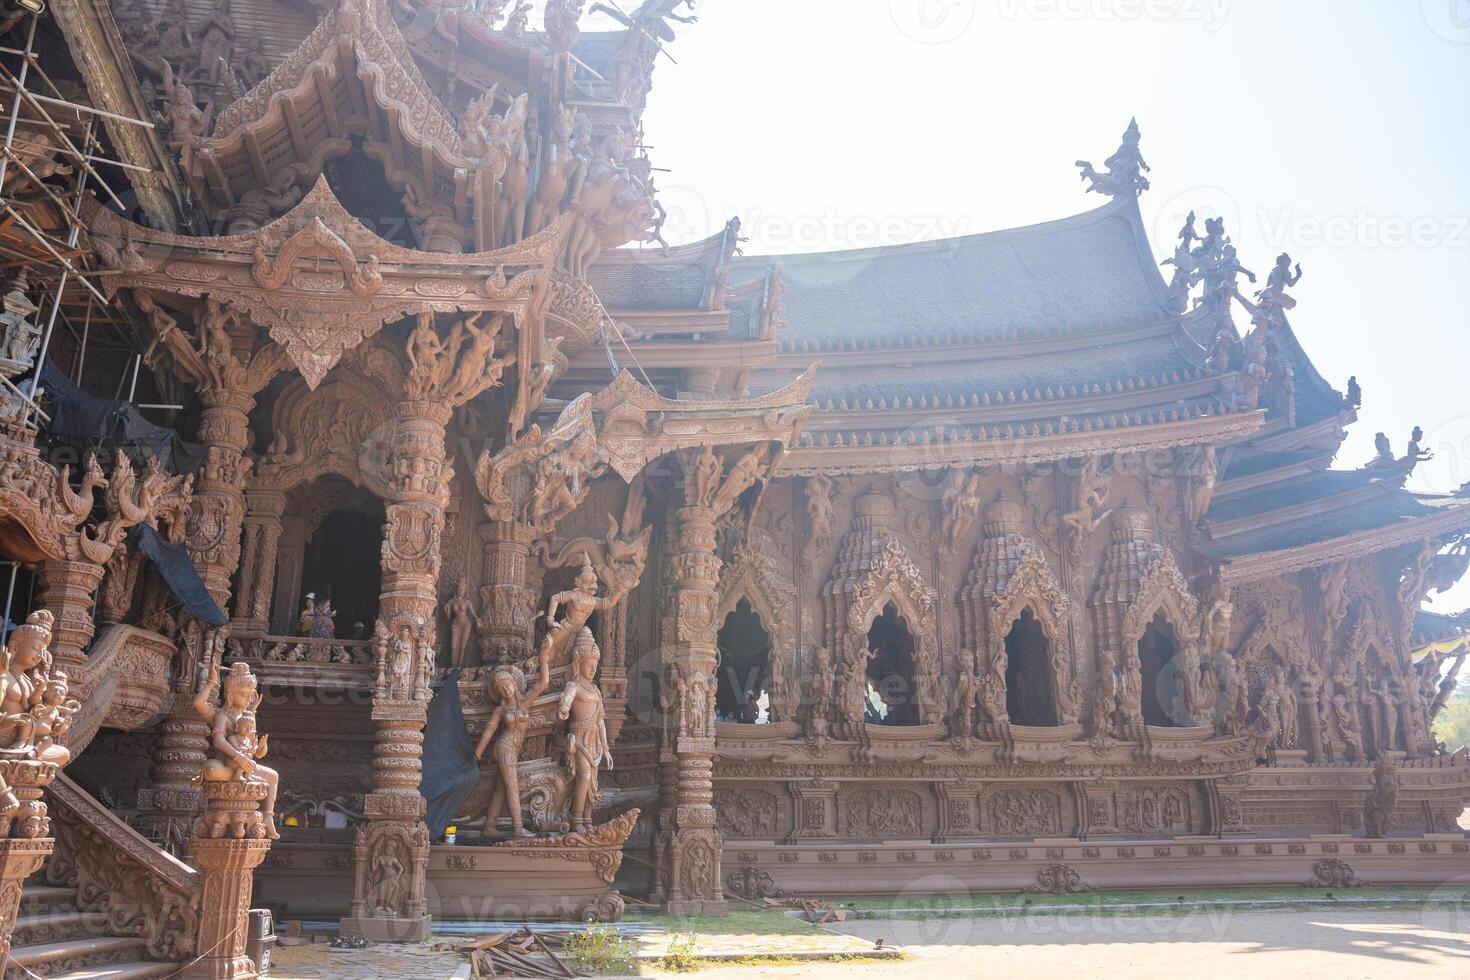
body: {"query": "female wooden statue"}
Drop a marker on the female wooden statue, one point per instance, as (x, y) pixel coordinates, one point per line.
(587, 747)
(232, 735)
(505, 732)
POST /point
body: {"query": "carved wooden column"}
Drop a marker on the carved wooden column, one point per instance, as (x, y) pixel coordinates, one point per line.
(694, 869)
(507, 601)
(213, 540)
(227, 865)
(388, 903)
(711, 490)
(68, 589)
(263, 510)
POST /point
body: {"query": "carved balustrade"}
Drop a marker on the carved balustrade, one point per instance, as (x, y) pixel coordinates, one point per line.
(142, 890)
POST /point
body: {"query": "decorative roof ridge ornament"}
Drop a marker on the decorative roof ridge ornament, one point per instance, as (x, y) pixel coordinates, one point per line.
(383, 63)
(1125, 168)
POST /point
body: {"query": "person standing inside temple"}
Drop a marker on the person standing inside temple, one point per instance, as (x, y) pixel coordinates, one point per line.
(308, 615)
(324, 620)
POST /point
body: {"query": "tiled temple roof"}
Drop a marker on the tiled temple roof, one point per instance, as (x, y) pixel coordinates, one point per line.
(1394, 516)
(1090, 272)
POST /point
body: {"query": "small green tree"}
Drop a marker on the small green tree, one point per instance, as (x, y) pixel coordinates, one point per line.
(1452, 727)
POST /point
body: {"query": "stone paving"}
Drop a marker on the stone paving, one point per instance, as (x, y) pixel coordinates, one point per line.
(321, 962)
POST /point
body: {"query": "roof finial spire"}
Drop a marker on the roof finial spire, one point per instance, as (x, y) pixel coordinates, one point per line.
(1125, 168)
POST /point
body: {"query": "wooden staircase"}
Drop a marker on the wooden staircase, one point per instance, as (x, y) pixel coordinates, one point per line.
(54, 938)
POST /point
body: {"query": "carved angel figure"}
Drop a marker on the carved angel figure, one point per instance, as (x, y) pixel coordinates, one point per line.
(587, 745)
(232, 736)
(580, 602)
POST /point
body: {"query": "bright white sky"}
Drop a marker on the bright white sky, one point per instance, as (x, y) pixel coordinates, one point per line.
(1336, 130)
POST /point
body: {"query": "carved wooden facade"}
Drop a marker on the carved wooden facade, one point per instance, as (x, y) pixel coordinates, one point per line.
(1026, 632)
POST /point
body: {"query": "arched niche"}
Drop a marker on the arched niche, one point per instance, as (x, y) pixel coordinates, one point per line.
(1009, 581)
(343, 428)
(1159, 636)
(755, 575)
(330, 545)
(742, 679)
(893, 581)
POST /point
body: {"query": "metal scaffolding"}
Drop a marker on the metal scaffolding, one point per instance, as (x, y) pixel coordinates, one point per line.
(52, 156)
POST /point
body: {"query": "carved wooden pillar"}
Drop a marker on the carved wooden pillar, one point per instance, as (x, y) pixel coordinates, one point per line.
(388, 903)
(68, 589)
(213, 540)
(263, 510)
(219, 496)
(227, 865)
(19, 859)
(507, 602)
(694, 885)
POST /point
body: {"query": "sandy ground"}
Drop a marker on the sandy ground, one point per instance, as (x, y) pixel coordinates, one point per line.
(1257, 945)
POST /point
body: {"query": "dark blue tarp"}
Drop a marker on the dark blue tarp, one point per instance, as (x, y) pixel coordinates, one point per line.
(73, 411)
(182, 578)
(451, 770)
(77, 414)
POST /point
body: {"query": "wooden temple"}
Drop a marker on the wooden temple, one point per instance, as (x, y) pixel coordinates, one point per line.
(462, 551)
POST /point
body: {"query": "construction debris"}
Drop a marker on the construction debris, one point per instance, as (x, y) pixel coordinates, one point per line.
(519, 953)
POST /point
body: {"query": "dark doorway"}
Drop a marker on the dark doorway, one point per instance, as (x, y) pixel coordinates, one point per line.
(740, 694)
(1156, 651)
(891, 675)
(342, 563)
(1030, 691)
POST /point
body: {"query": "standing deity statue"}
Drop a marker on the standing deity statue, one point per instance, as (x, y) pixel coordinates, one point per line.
(587, 746)
(1378, 808)
(819, 692)
(462, 622)
(233, 739)
(504, 734)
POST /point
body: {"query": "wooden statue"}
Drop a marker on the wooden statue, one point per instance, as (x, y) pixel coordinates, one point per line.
(581, 602)
(587, 748)
(233, 739)
(462, 621)
(505, 732)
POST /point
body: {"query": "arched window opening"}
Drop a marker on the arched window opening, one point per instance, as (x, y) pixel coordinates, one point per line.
(741, 693)
(342, 565)
(1156, 651)
(1030, 687)
(891, 674)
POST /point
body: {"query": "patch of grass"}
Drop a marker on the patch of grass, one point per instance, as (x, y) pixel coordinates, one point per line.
(740, 921)
(599, 949)
(1183, 898)
(679, 956)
